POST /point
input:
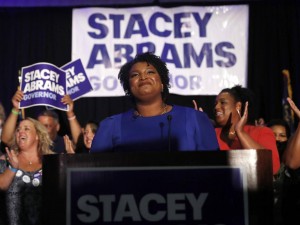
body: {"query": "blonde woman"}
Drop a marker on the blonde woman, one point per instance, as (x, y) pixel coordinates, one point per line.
(21, 172)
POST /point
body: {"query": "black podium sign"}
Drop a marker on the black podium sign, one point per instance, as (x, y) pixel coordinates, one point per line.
(207, 188)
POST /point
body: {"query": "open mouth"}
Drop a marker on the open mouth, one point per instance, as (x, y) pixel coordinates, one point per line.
(23, 138)
(219, 114)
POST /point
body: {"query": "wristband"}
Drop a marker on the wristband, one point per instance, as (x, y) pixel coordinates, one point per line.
(15, 112)
(13, 169)
(72, 118)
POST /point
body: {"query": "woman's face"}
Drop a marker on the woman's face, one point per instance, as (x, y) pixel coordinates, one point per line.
(279, 132)
(226, 106)
(144, 80)
(88, 136)
(26, 135)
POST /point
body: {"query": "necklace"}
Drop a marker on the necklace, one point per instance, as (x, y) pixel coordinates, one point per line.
(29, 161)
(164, 111)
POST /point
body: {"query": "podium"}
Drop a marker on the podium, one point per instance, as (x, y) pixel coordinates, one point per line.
(207, 188)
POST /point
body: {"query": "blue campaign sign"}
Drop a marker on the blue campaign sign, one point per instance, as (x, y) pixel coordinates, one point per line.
(43, 84)
(77, 80)
(161, 195)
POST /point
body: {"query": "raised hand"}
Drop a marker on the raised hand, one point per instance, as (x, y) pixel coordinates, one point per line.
(68, 145)
(12, 158)
(243, 120)
(196, 106)
(18, 96)
(294, 107)
(67, 100)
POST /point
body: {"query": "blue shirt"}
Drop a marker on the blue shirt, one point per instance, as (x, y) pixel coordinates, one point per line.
(181, 129)
(58, 145)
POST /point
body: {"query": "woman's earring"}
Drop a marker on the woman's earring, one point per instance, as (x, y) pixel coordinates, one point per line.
(162, 88)
(238, 111)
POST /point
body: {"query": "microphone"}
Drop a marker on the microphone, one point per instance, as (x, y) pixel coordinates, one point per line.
(169, 117)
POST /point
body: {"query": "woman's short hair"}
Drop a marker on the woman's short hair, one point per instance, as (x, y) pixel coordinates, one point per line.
(155, 61)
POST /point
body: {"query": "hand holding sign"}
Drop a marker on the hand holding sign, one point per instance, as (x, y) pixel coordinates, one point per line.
(46, 84)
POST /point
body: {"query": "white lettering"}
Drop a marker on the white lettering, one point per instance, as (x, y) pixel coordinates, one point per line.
(43, 74)
(70, 72)
(44, 85)
(74, 80)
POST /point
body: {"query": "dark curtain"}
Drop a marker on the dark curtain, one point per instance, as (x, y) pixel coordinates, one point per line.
(273, 46)
(30, 35)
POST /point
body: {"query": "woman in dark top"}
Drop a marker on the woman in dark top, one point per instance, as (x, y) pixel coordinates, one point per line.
(21, 173)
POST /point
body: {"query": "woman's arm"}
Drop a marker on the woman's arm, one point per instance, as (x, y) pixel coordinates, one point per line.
(291, 155)
(73, 122)
(265, 139)
(10, 123)
(8, 175)
(245, 139)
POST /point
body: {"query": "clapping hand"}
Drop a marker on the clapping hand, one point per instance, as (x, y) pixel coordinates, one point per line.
(243, 120)
(68, 145)
(12, 158)
(294, 107)
(196, 106)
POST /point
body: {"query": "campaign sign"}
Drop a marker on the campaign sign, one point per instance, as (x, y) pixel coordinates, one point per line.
(204, 47)
(78, 83)
(161, 195)
(43, 84)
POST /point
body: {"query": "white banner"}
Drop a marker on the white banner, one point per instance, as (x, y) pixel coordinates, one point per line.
(205, 48)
